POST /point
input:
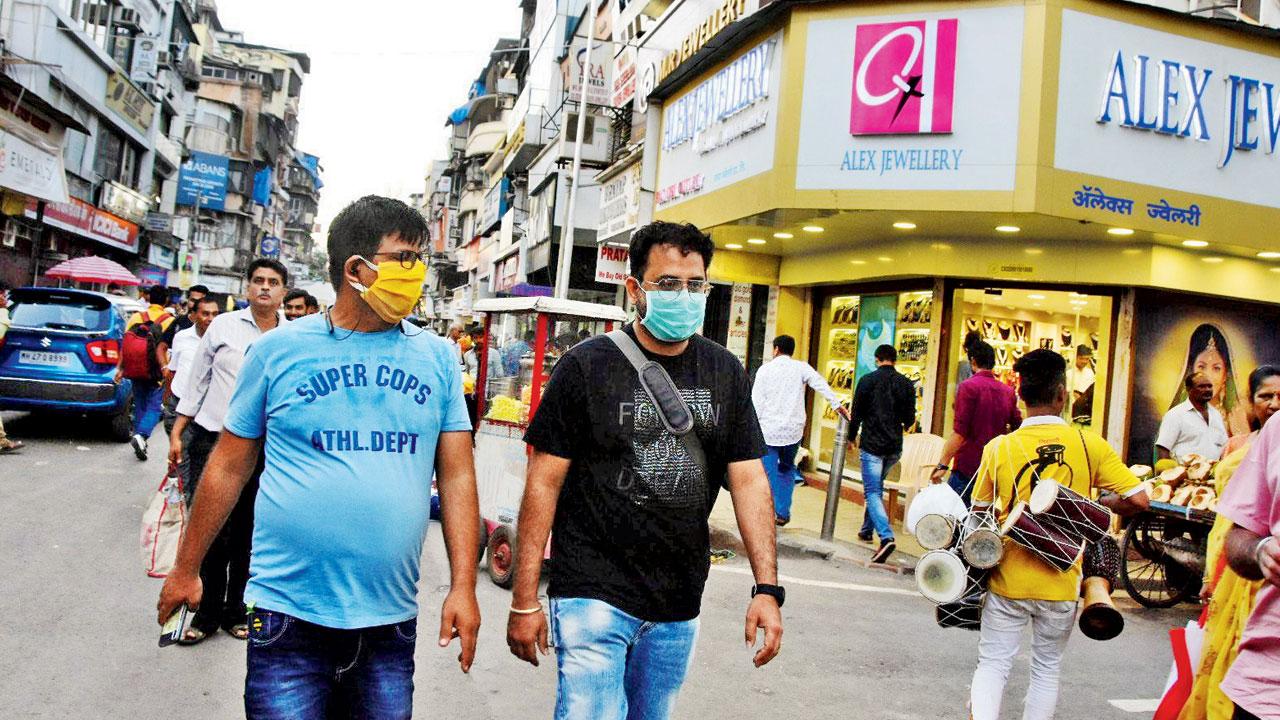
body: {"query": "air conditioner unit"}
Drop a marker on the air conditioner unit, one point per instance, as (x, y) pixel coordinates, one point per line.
(164, 59)
(14, 231)
(128, 17)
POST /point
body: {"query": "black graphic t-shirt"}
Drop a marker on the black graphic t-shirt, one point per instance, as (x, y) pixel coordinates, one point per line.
(631, 525)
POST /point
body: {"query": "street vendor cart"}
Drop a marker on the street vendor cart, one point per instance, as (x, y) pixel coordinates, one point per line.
(528, 335)
(1164, 554)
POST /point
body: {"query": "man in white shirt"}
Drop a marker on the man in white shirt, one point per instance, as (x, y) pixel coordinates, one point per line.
(181, 354)
(206, 395)
(778, 396)
(1194, 426)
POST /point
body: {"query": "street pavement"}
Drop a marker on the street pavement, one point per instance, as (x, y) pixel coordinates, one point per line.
(78, 633)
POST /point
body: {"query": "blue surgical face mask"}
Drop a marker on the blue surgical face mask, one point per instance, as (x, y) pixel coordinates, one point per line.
(673, 316)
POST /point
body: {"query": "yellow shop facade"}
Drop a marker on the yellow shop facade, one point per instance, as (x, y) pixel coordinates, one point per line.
(1049, 174)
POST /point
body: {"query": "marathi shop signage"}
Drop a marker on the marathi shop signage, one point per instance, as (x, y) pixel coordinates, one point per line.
(722, 130)
(923, 101)
(1161, 109)
(1093, 198)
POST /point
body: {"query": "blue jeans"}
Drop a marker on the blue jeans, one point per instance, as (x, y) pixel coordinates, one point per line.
(302, 671)
(960, 483)
(874, 468)
(780, 466)
(614, 666)
(147, 399)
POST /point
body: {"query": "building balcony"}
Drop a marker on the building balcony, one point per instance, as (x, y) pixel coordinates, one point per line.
(170, 150)
(205, 138)
(486, 137)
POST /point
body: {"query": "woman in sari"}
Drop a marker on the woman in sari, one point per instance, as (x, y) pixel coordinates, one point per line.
(1207, 353)
(1230, 597)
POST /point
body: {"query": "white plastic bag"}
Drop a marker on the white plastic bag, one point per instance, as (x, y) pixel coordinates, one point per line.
(163, 523)
(937, 499)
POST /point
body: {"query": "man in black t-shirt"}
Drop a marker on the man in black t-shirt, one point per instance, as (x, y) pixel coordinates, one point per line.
(629, 502)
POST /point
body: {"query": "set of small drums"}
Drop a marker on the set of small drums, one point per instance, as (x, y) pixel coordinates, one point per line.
(1056, 524)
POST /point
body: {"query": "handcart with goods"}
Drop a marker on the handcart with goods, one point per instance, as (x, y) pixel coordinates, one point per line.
(1164, 547)
(523, 339)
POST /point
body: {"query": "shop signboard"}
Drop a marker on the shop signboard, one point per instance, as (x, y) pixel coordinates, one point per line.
(494, 207)
(159, 222)
(153, 276)
(125, 202)
(612, 264)
(81, 218)
(146, 58)
(269, 246)
(598, 90)
(721, 131)
(624, 78)
(620, 203)
(541, 205)
(202, 181)
(129, 102)
(926, 101)
(770, 322)
(1177, 334)
(31, 170)
(737, 340)
(1155, 108)
(162, 256)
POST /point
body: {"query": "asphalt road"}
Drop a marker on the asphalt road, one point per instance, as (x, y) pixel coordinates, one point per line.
(78, 635)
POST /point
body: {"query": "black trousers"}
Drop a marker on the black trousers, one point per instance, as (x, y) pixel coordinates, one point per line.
(1242, 714)
(225, 570)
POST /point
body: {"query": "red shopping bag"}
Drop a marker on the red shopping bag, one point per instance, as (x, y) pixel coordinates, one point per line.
(163, 523)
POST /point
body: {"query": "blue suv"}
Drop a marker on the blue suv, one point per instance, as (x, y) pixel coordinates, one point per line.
(60, 355)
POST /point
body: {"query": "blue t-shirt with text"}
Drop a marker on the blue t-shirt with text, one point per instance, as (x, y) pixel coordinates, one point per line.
(351, 423)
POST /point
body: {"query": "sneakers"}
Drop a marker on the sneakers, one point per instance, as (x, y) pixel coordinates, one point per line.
(780, 521)
(139, 444)
(886, 549)
(864, 537)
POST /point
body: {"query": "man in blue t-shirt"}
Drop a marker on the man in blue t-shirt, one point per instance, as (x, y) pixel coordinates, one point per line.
(356, 408)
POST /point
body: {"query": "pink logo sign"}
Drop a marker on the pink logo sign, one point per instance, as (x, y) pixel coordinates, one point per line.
(904, 77)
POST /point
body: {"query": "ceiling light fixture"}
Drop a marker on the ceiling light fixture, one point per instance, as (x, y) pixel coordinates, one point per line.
(864, 262)
(1121, 232)
(1269, 255)
(905, 225)
(733, 246)
(1036, 296)
(813, 228)
(783, 236)
(755, 241)
(1008, 228)
(1194, 243)
(885, 259)
(1033, 251)
(1214, 260)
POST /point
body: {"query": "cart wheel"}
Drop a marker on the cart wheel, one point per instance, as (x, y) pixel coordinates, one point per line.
(502, 556)
(1150, 575)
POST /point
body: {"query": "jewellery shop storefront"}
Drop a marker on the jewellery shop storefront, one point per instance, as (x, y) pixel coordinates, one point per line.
(1060, 176)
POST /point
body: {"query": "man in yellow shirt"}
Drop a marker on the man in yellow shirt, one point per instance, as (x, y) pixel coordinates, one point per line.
(1025, 588)
(148, 393)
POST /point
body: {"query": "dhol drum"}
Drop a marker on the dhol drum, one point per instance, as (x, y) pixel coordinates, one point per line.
(980, 542)
(965, 613)
(1075, 515)
(1047, 541)
(941, 576)
(936, 531)
(1100, 620)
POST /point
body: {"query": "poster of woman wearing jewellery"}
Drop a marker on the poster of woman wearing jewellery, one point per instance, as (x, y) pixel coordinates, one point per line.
(1176, 337)
(879, 316)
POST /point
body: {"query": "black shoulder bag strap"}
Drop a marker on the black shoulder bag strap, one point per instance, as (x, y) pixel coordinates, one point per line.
(662, 391)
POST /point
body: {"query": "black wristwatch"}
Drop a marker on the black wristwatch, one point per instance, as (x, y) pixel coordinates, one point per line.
(777, 592)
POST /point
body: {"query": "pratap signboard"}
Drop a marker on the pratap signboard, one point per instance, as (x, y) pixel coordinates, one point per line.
(722, 130)
(612, 264)
(1160, 109)
(927, 101)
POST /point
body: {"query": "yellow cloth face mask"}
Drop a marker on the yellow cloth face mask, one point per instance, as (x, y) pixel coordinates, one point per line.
(396, 291)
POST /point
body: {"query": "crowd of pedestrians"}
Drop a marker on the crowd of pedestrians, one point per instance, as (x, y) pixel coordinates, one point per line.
(292, 427)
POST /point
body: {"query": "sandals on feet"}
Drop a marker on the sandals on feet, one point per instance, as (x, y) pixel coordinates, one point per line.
(193, 636)
(239, 632)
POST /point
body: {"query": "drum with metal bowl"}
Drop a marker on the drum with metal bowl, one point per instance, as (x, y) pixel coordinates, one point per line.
(1047, 541)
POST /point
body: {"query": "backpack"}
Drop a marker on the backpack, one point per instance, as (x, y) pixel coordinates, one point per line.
(138, 351)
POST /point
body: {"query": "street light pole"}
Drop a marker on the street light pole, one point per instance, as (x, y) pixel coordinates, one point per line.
(566, 239)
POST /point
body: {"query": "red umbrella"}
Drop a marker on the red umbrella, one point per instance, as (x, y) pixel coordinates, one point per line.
(93, 269)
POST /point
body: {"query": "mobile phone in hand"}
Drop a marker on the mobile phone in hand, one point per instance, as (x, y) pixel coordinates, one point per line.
(171, 631)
